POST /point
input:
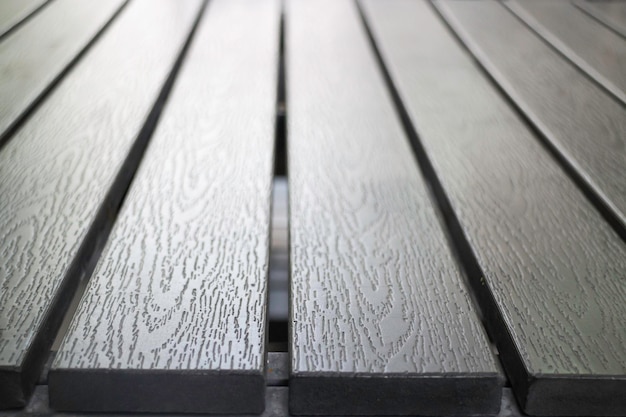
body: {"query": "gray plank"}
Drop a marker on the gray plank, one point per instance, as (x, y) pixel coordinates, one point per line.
(579, 120)
(174, 317)
(15, 12)
(548, 270)
(611, 13)
(381, 322)
(33, 58)
(595, 49)
(66, 171)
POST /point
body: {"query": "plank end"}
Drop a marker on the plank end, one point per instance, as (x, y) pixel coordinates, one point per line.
(574, 395)
(165, 391)
(12, 392)
(395, 395)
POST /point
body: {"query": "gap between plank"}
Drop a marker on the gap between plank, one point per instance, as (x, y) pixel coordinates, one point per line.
(278, 294)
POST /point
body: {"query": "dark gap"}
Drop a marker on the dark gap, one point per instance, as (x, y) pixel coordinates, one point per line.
(32, 107)
(24, 19)
(451, 227)
(278, 300)
(280, 159)
(596, 200)
(90, 250)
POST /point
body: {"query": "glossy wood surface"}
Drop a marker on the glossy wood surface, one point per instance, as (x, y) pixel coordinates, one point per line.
(15, 12)
(548, 270)
(595, 49)
(34, 57)
(65, 171)
(611, 13)
(174, 317)
(577, 118)
(381, 322)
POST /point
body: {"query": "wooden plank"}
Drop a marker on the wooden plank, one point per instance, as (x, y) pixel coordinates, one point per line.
(577, 119)
(610, 13)
(15, 12)
(173, 319)
(599, 52)
(35, 57)
(547, 269)
(381, 322)
(65, 172)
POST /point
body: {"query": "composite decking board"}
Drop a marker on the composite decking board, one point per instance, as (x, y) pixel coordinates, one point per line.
(576, 117)
(595, 49)
(610, 13)
(174, 317)
(15, 12)
(34, 57)
(380, 321)
(548, 270)
(66, 170)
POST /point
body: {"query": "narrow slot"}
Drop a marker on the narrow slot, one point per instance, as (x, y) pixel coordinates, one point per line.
(279, 255)
(280, 159)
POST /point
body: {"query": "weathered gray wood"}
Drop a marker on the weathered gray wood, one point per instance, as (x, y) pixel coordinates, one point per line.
(578, 119)
(611, 13)
(15, 12)
(548, 271)
(65, 172)
(34, 57)
(592, 47)
(174, 318)
(380, 320)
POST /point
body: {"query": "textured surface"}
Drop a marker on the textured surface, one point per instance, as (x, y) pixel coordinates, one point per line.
(381, 322)
(32, 58)
(578, 118)
(550, 272)
(14, 12)
(178, 299)
(57, 170)
(611, 13)
(595, 49)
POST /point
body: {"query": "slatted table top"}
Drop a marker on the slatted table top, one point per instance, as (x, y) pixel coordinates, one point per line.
(313, 207)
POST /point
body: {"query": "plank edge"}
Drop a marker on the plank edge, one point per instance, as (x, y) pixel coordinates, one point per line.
(105, 390)
(400, 394)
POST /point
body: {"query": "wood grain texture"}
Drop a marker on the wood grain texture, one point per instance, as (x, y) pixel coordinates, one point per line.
(381, 322)
(549, 272)
(15, 12)
(611, 13)
(592, 47)
(582, 123)
(33, 58)
(177, 304)
(56, 174)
